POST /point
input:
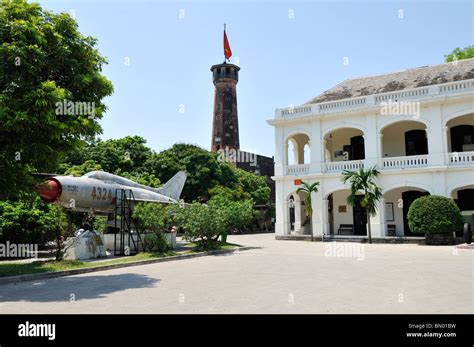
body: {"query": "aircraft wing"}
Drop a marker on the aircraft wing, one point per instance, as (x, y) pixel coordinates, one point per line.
(181, 202)
(153, 200)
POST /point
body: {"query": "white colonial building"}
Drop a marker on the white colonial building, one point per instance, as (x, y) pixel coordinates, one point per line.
(416, 126)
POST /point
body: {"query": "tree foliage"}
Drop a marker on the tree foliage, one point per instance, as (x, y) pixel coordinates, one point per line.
(308, 188)
(364, 181)
(45, 61)
(204, 170)
(238, 214)
(154, 217)
(460, 54)
(130, 157)
(202, 224)
(255, 186)
(28, 222)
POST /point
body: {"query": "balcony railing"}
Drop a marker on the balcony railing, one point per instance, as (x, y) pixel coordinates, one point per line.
(405, 162)
(387, 163)
(461, 158)
(300, 169)
(339, 166)
(361, 102)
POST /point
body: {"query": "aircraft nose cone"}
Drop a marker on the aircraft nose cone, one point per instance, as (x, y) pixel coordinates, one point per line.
(50, 190)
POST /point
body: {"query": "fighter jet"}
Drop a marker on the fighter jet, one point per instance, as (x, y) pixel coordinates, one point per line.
(96, 191)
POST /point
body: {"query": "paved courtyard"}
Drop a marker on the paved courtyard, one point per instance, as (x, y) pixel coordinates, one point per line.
(273, 277)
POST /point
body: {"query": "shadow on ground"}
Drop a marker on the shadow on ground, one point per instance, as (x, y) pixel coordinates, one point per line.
(60, 289)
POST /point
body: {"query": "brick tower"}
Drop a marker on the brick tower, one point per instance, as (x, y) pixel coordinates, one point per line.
(225, 125)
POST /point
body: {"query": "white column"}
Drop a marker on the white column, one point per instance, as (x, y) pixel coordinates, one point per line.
(297, 216)
(377, 222)
(287, 224)
(318, 214)
(323, 155)
(296, 155)
(310, 153)
(281, 210)
(281, 152)
(380, 151)
(316, 158)
(370, 141)
(435, 134)
(326, 229)
(446, 145)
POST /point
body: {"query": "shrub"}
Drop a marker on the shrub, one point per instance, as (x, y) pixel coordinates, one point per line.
(154, 217)
(434, 214)
(155, 242)
(202, 224)
(237, 214)
(28, 222)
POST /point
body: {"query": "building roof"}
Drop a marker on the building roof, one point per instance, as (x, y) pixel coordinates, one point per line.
(406, 79)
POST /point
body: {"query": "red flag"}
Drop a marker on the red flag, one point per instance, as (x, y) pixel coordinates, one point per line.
(227, 50)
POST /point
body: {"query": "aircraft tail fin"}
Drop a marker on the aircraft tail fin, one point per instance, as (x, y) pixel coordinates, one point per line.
(174, 186)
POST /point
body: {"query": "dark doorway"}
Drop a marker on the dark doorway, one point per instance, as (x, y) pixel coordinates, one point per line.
(461, 135)
(357, 151)
(465, 199)
(292, 214)
(408, 197)
(416, 142)
(360, 217)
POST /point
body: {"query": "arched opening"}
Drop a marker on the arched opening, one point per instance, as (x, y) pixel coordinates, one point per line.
(405, 138)
(298, 150)
(464, 197)
(397, 204)
(298, 222)
(344, 219)
(461, 133)
(345, 144)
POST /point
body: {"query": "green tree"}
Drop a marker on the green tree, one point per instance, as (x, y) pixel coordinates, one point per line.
(158, 219)
(308, 188)
(79, 170)
(256, 186)
(365, 181)
(202, 224)
(28, 221)
(45, 63)
(154, 217)
(237, 214)
(204, 170)
(145, 178)
(127, 154)
(460, 54)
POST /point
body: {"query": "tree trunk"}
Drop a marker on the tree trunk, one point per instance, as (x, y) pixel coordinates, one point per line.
(368, 225)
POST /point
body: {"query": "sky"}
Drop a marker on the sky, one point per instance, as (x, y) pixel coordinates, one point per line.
(160, 54)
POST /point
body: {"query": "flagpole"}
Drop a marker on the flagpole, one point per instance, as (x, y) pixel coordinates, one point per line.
(225, 59)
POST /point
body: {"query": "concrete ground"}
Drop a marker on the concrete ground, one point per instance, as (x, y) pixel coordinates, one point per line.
(273, 277)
